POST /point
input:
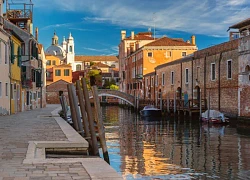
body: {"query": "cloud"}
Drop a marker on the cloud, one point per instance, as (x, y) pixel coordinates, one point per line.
(209, 17)
(113, 50)
(56, 26)
(82, 29)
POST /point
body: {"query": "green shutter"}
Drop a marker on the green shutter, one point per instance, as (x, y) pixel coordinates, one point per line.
(12, 56)
(38, 79)
(19, 57)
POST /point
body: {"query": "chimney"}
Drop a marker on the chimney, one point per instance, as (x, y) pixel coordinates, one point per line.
(193, 39)
(123, 34)
(132, 34)
(37, 33)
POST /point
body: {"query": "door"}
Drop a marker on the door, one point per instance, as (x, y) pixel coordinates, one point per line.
(22, 101)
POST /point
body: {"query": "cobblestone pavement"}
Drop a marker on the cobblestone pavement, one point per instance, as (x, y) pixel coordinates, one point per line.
(15, 133)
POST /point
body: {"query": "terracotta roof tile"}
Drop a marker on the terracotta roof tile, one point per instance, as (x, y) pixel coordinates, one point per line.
(62, 65)
(165, 41)
(140, 37)
(101, 65)
(95, 58)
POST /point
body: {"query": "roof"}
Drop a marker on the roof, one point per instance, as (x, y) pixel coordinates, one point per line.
(241, 24)
(140, 36)
(62, 65)
(95, 58)
(165, 41)
(101, 65)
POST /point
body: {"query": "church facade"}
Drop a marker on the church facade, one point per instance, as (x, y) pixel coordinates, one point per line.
(65, 51)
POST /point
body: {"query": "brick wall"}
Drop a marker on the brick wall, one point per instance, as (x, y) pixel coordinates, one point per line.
(223, 89)
(52, 95)
(244, 76)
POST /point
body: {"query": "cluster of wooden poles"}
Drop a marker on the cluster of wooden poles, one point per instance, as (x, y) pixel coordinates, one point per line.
(84, 122)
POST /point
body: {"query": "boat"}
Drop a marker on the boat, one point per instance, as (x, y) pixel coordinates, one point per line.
(214, 117)
(150, 111)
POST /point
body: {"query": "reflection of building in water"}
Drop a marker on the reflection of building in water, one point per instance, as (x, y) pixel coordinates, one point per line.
(161, 149)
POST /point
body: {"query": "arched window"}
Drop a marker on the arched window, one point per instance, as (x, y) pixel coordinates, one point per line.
(70, 48)
(247, 69)
(78, 67)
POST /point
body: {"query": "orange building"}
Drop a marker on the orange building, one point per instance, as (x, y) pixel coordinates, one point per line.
(141, 61)
(56, 71)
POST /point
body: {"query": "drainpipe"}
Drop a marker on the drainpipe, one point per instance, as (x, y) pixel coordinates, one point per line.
(219, 90)
(181, 82)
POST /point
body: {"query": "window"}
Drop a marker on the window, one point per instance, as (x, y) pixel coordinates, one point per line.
(213, 71)
(6, 89)
(172, 77)
(66, 72)
(146, 84)
(229, 69)
(150, 54)
(183, 54)
(53, 62)
(6, 54)
(11, 91)
(48, 62)
(0, 89)
(58, 72)
(163, 79)
(198, 71)
(78, 67)
(186, 76)
(152, 81)
(70, 48)
(168, 54)
(156, 80)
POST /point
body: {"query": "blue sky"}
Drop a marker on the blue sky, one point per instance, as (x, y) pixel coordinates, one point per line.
(96, 24)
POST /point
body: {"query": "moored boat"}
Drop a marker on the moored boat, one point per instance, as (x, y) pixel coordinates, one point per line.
(214, 117)
(150, 111)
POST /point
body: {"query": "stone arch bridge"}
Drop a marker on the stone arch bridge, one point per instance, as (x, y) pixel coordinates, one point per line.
(114, 93)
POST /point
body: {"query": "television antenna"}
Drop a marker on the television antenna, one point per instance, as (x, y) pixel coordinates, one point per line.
(154, 23)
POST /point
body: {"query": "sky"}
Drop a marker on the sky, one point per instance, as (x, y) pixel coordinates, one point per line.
(96, 24)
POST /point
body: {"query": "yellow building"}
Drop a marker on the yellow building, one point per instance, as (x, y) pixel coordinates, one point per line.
(15, 75)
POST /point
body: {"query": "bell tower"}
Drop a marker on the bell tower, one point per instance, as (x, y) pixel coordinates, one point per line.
(71, 51)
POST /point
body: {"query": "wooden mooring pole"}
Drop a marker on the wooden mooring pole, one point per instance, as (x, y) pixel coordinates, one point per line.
(83, 112)
(99, 120)
(72, 108)
(76, 107)
(95, 150)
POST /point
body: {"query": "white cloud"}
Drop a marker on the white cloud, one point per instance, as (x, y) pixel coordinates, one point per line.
(56, 26)
(209, 17)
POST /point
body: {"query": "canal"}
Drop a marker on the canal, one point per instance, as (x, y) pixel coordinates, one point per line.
(174, 148)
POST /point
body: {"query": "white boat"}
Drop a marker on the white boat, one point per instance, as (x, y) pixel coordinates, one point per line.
(214, 117)
(150, 111)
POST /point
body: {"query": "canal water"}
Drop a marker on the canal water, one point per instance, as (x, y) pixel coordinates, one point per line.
(174, 148)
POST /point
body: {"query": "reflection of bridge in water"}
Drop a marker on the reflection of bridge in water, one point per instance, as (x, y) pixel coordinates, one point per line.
(118, 94)
(187, 106)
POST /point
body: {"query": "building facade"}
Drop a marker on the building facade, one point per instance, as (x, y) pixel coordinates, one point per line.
(143, 60)
(220, 74)
(4, 67)
(127, 45)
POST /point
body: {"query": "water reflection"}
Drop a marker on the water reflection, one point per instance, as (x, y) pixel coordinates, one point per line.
(174, 148)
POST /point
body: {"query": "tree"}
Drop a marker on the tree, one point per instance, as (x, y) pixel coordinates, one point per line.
(114, 87)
